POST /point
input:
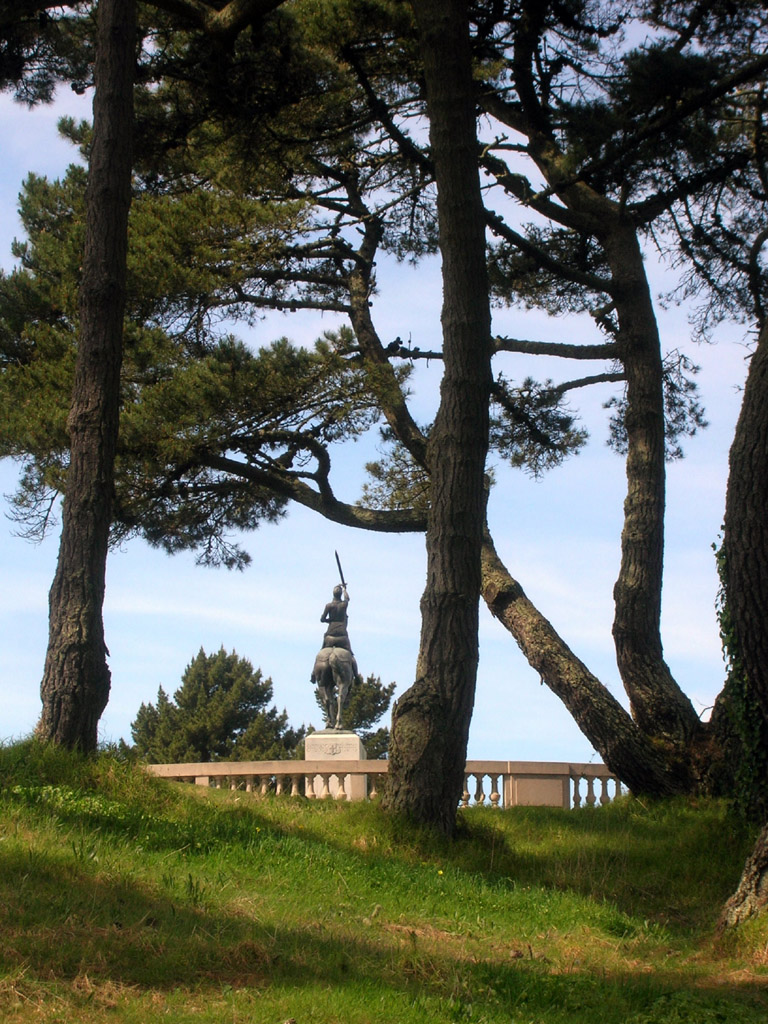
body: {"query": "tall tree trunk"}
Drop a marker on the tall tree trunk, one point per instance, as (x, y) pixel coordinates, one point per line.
(76, 680)
(430, 722)
(746, 526)
(605, 723)
(746, 584)
(660, 708)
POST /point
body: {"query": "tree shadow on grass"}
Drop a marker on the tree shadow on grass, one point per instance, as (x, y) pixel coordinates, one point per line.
(673, 864)
(64, 917)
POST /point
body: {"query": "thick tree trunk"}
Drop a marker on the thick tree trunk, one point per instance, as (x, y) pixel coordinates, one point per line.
(746, 526)
(660, 708)
(746, 585)
(751, 895)
(605, 723)
(76, 681)
(430, 722)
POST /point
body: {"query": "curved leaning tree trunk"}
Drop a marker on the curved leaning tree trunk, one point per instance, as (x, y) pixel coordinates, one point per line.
(430, 722)
(76, 680)
(746, 581)
(627, 752)
(660, 708)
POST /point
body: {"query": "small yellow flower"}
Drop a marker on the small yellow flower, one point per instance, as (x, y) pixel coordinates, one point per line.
(439, 871)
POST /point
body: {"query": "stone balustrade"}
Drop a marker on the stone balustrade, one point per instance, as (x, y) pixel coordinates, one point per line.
(537, 784)
(490, 783)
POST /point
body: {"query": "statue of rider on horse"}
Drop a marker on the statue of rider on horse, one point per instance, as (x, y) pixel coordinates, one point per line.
(335, 668)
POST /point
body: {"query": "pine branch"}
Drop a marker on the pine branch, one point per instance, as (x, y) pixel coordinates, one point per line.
(221, 23)
(326, 503)
(543, 260)
(556, 348)
(584, 382)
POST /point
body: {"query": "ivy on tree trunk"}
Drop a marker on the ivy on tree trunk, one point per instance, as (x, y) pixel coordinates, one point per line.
(746, 585)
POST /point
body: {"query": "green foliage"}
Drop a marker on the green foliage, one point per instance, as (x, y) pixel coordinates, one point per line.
(396, 479)
(178, 481)
(683, 412)
(187, 397)
(646, 85)
(212, 434)
(126, 898)
(368, 701)
(38, 49)
(251, 186)
(520, 277)
(219, 713)
(531, 427)
(38, 311)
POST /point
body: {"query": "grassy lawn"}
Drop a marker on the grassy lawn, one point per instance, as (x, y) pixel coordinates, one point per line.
(124, 898)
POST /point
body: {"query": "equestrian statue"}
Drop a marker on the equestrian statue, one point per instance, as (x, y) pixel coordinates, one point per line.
(335, 668)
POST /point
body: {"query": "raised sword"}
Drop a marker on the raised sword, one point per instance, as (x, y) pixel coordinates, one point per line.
(341, 571)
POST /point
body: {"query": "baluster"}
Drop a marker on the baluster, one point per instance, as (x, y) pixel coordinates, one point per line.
(233, 782)
(604, 798)
(325, 791)
(279, 785)
(591, 799)
(495, 795)
(577, 791)
(465, 794)
(249, 783)
(341, 793)
(217, 783)
(264, 784)
(479, 794)
(295, 785)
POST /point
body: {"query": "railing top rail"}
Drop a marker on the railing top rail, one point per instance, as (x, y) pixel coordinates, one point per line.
(537, 768)
(229, 768)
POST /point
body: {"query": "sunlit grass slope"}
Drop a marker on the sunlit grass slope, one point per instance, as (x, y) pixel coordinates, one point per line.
(128, 899)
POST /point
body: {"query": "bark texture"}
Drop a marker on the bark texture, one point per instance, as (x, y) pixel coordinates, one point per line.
(746, 568)
(605, 723)
(659, 706)
(430, 722)
(751, 896)
(76, 680)
(746, 526)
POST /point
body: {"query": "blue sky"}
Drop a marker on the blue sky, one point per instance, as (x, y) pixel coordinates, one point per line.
(559, 536)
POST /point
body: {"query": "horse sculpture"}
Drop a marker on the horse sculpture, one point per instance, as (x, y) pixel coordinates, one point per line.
(334, 672)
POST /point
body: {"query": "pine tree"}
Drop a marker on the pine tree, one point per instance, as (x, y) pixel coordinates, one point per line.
(219, 713)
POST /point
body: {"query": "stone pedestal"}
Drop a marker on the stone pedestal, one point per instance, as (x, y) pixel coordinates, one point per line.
(336, 745)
